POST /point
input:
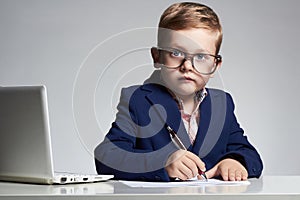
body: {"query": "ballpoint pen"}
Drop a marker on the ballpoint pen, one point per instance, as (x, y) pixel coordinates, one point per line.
(180, 145)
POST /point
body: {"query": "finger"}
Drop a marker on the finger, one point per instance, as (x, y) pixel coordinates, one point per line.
(182, 169)
(231, 174)
(213, 172)
(199, 177)
(224, 173)
(199, 163)
(182, 176)
(238, 175)
(244, 175)
(176, 157)
(189, 168)
(192, 166)
(190, 163)
(178, 174)
(185, 173)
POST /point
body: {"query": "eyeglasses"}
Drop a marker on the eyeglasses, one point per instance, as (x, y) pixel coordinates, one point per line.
(203, 63)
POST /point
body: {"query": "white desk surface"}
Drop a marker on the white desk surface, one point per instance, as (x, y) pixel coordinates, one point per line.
(267, 187)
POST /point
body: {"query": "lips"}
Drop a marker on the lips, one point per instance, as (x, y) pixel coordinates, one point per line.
(188, 78)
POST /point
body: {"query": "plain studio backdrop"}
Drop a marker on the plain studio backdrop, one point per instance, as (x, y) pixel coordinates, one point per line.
(85, 51)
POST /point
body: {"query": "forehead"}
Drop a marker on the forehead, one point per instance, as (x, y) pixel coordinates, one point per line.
(190, 40)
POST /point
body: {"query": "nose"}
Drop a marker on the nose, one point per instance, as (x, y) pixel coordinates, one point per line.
(187, 65)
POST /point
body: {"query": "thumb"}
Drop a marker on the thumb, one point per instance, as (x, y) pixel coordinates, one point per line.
(212, 172)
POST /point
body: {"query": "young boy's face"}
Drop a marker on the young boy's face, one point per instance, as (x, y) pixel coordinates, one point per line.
(185, 80)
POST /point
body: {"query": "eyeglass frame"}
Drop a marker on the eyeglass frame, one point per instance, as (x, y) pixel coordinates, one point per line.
(189, 56)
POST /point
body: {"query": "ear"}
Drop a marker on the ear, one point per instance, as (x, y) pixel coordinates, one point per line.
(155, 57)
(218, 66)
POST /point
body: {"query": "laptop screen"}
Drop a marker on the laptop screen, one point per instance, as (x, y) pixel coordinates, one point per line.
(25, 145)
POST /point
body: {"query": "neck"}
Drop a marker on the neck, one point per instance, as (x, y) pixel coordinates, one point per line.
(186, 98)
(189, 103)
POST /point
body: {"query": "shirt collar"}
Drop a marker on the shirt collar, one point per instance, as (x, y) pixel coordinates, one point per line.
(199, 97)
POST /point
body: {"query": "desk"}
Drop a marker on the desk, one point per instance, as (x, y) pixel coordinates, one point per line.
(267, 187)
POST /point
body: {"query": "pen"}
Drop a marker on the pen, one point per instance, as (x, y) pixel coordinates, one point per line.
(180, 145)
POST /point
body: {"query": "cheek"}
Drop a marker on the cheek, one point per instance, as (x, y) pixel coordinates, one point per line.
(202, 81)
(168, 74)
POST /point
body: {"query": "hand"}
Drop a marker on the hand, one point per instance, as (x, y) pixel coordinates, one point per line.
(184, 165)
(229, 169)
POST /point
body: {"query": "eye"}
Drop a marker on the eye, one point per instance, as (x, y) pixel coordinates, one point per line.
(201, 57)
(177, 53)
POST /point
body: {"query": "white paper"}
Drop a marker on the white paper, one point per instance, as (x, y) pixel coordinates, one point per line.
(145, 184)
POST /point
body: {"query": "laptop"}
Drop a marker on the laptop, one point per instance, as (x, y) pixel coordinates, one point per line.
(25, 141)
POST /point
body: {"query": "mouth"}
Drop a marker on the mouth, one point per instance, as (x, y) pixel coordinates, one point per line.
(187, 78)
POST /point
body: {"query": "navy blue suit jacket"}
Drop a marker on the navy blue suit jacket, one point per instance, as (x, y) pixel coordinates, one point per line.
(138, 144)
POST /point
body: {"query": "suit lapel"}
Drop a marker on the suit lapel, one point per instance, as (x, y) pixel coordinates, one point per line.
(212, 118)
(205, 116)
(159, 95)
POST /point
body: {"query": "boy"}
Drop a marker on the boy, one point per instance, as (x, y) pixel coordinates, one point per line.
(174, 99)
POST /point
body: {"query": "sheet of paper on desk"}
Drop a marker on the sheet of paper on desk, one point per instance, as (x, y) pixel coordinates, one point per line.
(183, 183)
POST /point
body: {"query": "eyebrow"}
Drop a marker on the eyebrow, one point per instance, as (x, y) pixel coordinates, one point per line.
(179, 47)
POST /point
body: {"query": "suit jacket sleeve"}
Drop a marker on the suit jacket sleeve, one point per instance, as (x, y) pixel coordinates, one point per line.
(238, 146)
(121, 155)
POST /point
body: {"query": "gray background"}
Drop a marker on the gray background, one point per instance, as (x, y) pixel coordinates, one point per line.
(51, 42)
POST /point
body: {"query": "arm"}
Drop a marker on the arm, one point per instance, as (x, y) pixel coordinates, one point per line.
(127, 156)
(241, 160)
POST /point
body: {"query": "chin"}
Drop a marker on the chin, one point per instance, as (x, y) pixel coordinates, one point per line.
(183, 91)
